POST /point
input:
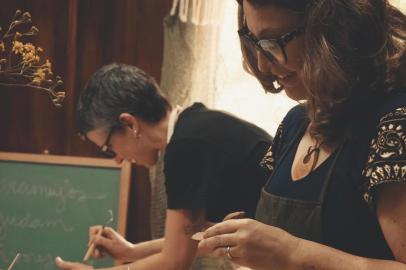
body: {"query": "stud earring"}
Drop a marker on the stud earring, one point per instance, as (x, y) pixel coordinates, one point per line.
(136, 134)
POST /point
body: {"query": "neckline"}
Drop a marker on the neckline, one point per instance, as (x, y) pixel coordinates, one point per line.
(293, 151)
(316, 171)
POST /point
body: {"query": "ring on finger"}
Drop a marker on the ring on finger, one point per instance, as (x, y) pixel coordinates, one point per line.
(228, 252)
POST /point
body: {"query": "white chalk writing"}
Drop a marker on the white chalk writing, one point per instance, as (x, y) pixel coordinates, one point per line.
(61, 193)
(27, 221)
(45, 261)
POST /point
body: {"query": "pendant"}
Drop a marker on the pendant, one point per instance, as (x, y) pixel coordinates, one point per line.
(310, 151)
(306, 159)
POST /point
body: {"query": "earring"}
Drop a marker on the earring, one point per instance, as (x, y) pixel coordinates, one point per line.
(136, 134)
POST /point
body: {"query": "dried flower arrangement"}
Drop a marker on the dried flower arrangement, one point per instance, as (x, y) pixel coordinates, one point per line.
(20, 62)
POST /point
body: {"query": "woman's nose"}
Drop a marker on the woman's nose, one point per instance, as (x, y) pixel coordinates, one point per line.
(263, 63)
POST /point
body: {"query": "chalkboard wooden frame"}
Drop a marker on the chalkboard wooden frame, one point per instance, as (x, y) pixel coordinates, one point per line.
(125, 175)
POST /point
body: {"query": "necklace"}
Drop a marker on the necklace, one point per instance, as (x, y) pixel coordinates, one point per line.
(312, 149)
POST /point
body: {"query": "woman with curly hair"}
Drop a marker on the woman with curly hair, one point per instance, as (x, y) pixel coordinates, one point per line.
(336, 198)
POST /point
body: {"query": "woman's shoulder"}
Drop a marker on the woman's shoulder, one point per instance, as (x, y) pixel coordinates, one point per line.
(294, 120)
(392, 105)
(295, 115)
(286, 131)
(387, 153)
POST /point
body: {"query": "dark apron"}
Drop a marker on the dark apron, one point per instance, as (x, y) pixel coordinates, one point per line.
(300, 218)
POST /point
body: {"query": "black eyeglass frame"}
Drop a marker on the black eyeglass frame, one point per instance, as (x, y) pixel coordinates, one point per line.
(104, 149)
(282, 41)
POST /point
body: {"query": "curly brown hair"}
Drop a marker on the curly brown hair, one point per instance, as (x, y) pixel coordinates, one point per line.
(354, 55)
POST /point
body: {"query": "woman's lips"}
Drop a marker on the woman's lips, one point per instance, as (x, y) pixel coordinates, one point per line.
(287, 79)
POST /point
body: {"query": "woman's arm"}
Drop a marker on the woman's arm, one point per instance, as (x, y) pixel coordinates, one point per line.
(259, 246)
(391, 212)
(148, 248)
(112, 243)
(178, 249)
(314, 256)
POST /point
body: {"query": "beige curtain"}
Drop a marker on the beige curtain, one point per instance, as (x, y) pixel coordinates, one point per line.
(191, 43)
(401, 4)
(189, 74)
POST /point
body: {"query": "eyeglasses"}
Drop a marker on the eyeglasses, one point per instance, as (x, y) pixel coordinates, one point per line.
(273, 49)
(105, 148)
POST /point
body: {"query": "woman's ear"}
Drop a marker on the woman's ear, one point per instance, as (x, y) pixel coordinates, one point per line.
(129, 120)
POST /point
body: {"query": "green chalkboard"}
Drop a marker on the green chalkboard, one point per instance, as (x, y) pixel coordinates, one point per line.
(47, 204)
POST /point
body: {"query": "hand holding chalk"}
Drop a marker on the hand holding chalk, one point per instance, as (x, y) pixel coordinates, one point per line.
(99, 233)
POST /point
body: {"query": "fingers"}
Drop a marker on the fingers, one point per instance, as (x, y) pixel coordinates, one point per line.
(225, 253)
(219, 241)
(106, 231)
(110, 233)
(102, 236)
(101, 241)
(228, 226)
(61, 264)
(97, 253)
(234, 215)
(232, 254)
(65, 265)
(93, 232)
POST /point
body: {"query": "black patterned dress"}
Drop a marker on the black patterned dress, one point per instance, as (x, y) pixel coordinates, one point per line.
(349, 221)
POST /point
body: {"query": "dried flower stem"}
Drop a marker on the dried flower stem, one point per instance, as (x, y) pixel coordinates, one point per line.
(20, 62)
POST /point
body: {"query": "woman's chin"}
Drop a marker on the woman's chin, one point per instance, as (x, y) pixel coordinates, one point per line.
(295, 92)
